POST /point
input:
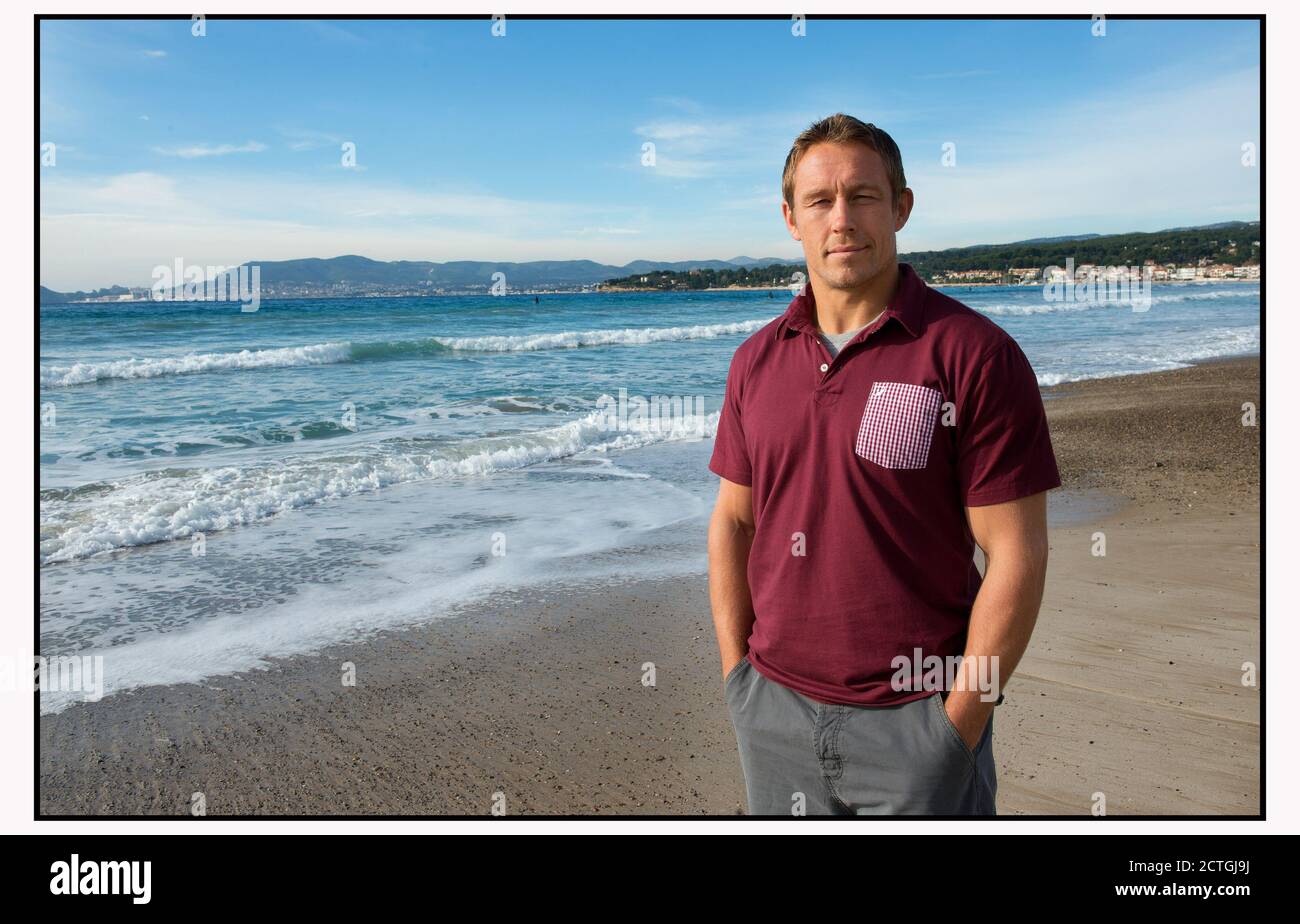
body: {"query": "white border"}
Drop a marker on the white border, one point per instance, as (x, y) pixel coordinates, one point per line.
(18, 476)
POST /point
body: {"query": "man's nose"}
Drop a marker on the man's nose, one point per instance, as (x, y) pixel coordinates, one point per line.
(841, 221)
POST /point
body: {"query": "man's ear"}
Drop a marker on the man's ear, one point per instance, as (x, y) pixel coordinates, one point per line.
(788, 215)
(903, 210)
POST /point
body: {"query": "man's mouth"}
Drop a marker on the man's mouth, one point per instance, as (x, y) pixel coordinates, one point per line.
(847, 249)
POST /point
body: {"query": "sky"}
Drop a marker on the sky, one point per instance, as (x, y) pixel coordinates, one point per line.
(228, 147)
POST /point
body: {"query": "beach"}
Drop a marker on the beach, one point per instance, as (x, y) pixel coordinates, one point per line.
(535, 702)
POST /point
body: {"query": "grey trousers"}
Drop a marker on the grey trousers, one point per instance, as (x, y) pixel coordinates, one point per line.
(804, 757)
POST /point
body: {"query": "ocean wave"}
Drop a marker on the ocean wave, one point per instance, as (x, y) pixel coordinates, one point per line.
(392, 419)
(1045, 307)
(564, 340)
(344, 352)
(1218, 342)
(178, 503)
(500, 404)
(86, 373)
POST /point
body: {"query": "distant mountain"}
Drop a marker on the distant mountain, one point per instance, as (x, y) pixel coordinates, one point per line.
(362, 275)
(461, 274)
(1087, 237)
(352, 274)
(50, 297)
(1055, 240)
(1172, 245)
(1215, 227)
(762, 261)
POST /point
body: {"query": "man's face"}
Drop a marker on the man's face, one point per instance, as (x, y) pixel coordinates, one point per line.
(844, 215)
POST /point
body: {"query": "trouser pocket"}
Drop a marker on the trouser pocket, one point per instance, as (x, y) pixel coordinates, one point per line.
(953, 735)
(736, 669)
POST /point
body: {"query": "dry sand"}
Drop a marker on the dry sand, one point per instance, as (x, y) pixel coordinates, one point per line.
(1131, 686)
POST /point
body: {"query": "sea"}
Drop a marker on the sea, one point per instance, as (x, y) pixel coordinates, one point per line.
(219, 488)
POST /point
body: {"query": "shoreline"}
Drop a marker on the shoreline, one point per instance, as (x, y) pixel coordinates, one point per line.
(537, 693)
(623, 290)
(1039, 285)
(939, 285)
(1058, 388)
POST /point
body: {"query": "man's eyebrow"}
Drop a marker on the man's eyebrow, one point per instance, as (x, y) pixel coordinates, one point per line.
(860, 187)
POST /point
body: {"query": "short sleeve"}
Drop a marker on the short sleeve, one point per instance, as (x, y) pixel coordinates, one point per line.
(730, 458)
(1004, 451)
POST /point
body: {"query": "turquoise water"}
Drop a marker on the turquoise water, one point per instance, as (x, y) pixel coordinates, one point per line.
(354, 464)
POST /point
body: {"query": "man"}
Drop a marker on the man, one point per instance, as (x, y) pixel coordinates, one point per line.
(869, 438)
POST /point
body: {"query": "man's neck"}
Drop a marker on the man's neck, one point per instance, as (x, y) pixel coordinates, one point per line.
(839, 310)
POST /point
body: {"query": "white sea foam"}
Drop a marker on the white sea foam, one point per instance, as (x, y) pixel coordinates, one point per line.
(1208, 344)
(158, 506)
(581, 536)
(1015, 309)
(85, 373)
(627, 336)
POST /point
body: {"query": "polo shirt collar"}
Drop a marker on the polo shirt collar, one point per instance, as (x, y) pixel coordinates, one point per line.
(905, 307)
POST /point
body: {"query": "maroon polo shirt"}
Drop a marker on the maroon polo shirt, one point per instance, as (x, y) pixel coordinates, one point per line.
(861, 468)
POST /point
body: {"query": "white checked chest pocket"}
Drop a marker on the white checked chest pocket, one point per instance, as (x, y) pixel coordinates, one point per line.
(898, 425)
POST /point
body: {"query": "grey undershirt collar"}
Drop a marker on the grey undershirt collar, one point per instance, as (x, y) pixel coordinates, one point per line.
(836, 342)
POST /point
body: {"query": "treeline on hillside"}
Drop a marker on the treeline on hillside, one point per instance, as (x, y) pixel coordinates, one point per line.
(1233, 243)
(776, 276)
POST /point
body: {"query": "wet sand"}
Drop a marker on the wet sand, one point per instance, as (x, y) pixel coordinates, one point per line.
(538, 703)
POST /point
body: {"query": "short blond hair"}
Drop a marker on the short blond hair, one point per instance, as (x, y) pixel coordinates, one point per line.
(845, 129)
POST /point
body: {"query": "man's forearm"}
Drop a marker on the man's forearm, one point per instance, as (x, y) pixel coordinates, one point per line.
(733, 610)
(1002, 621)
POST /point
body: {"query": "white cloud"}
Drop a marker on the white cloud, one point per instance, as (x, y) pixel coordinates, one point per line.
(107, 230)
(140, 194)
(89, 251)
(1097, 164)
(301, 139)
(679, 102)
(716, 146)
(211, 150)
